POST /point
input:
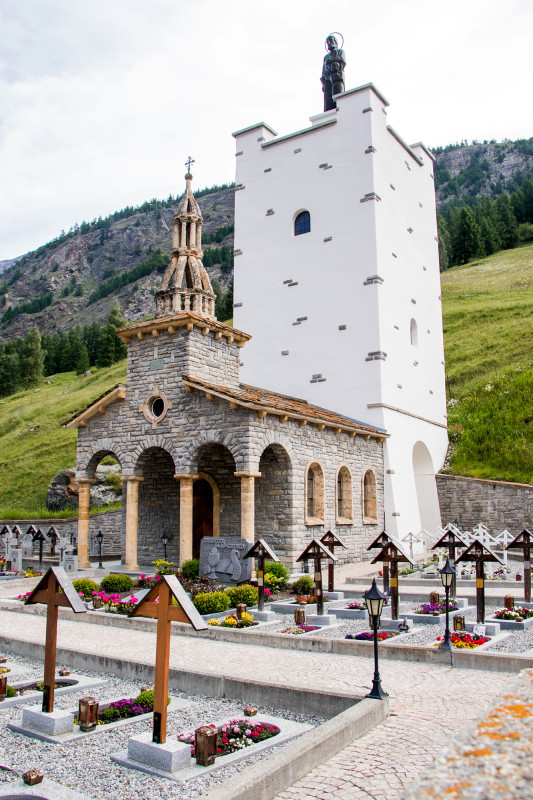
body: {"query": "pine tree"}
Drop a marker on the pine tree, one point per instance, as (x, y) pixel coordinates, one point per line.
(83, 361)
(507, 222)
(9, 372)
(31, 359)
(466, 237)
(106, 351)
(445, 244)
(116, 320)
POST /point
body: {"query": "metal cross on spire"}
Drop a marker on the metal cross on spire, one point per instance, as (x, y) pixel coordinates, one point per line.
(189, 162)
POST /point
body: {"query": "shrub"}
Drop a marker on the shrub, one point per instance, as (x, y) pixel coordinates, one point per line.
(146, 698)
(303, 585)
(11, 692)
(278, 569)
(242, 594)
(163, 567)
(116, 583)
(85, 585)
(211, 602)
(272, 582)
(190, 569)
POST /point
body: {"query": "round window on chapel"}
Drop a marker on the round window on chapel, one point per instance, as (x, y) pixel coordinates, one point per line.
(158, 407)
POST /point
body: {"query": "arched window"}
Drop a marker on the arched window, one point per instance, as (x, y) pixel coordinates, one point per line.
(414, 333)
(344, 496)
(370, 499)
(302, 223)
(314, 495)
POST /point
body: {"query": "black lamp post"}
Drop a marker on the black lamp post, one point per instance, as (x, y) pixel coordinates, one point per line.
(165, 539)
(447, 574)
(100, 538)
(374, 600)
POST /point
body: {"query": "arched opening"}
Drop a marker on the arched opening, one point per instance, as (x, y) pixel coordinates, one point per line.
(273, 497)
(158, 506)
(216, 465)
(370, 498)
(202, 514)
(426, 487)
(105, 492)
(343, 491)
(302, 223)
(314, 494)
(413, 329)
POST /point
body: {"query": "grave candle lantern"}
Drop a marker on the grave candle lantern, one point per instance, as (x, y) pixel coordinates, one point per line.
(299, 615)
(240, 608)
(459, 623)
(205, 745)
(3, 687)
(88, 713)
(97, 602)
(509, 601)
(32, 777)
(434, 598)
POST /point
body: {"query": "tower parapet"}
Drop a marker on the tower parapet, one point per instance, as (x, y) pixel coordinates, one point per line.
(186, 285)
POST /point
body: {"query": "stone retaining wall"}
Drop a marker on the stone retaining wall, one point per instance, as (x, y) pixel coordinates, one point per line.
(497, 504)
(109, 522)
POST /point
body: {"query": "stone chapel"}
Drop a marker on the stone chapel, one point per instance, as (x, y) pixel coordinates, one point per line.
(203, 454)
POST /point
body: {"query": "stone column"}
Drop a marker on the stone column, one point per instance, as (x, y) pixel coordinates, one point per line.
(247, 503)
(183, 233)
(132, 519)
(186, 518)
(84, 499)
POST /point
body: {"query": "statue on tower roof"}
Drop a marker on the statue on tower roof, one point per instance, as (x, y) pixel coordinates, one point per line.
(332, 72)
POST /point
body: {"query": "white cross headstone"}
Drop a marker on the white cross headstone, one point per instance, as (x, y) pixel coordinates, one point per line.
(504, 538)
(411, 539)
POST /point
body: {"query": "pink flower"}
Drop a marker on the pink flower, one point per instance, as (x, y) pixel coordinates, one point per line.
(248, 732)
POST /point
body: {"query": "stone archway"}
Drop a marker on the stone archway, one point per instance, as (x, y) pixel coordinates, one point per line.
(426, 487)
(273, 497)
(158, 505)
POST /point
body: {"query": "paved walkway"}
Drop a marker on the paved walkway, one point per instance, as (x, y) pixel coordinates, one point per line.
(429, 704)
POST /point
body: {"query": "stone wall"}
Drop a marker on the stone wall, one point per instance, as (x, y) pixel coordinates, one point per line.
(109, 522)
(497, 504)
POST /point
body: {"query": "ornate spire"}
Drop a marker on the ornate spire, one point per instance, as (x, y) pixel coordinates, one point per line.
(186, 285)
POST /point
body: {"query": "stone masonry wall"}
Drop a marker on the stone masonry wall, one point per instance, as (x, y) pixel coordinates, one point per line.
(497, 504)
(109, 522)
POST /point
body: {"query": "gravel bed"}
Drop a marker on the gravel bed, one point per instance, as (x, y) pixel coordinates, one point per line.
(86, 766)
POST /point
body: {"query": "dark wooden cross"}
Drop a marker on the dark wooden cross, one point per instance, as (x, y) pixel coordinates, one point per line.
(190, 161)
(392, 554)
(318, 552)
(378, 543)
(261, 551)
(166, 590)
(479, 554)
(524, 541)
(453, 541)
(38, 537)
(332, 541)
(54, 537)
(54, 589)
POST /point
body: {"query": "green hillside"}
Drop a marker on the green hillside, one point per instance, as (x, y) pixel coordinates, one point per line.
(488, 326)
(488, 336)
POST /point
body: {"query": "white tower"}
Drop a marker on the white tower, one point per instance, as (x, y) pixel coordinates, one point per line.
(337, 280)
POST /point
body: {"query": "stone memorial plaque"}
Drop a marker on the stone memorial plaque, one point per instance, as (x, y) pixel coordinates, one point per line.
(221, 559)
(15, 556)
(480, 630)
(70, 563)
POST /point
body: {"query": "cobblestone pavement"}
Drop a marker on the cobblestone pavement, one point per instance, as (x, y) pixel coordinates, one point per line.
(429, 703)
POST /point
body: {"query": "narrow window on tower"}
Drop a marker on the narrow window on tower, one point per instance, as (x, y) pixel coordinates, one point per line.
(302, 223)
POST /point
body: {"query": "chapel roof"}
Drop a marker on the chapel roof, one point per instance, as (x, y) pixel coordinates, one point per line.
(182, 318)
(265, 401)
(79, 420)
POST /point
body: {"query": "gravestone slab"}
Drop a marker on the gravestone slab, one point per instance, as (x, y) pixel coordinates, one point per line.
(15, 556)
(221, 559)
(70, 563)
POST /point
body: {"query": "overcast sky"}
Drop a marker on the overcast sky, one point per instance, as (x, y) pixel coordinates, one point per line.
(102, 101)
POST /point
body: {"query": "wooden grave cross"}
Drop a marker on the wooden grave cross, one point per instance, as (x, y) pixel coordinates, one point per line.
(378, 543)
(479, 553)
(453, 540)
(53, 535)
(318, 552)
(524, 541)
(38, 537)
(332, 541)
(261, 551)
(54, 589)
(158, 604)
(392, 554)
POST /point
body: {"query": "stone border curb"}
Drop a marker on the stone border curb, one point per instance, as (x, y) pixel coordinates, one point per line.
(272, 775)
(47, 789)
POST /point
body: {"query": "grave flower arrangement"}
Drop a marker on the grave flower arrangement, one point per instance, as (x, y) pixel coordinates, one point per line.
(464, 640)
(114, 602)
(308, 599)
(23, 597)
(436, 608)
(516, 614)
(356, 605)
(368, 636)
(235, 735)
(297, 630)
(231, 621)
(499, 574)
